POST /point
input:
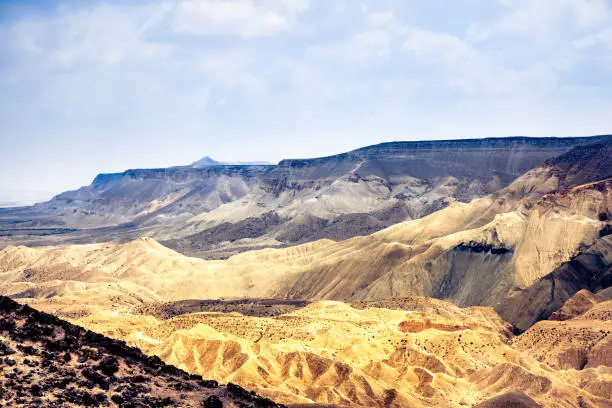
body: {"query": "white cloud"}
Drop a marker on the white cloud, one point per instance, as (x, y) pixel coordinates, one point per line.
(477, 71)
(543, 21)
(590, 13)
(102, 35)
(244, 18)
(601, 38)
(364, 45)
(231, 69)
(380, 18)
(298, 71)
(460, 65)
(436, 46)
(526, 49)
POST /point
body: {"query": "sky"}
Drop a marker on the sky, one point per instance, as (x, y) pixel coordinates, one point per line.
(103, 86)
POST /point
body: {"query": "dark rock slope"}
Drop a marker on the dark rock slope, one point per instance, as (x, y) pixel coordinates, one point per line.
(589, 270)
(582, 164)
(513, 399)
(48, 362)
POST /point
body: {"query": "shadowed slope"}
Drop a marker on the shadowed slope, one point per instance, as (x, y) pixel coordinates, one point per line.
(496, 251)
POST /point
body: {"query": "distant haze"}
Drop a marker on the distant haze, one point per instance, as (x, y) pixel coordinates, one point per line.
(102, 86)
(12, 198)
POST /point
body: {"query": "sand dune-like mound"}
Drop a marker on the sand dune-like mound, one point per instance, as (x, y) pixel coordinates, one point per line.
(142, 266)
(589, 270)
(580, 303)
(509, 400)
(485, 252)
(220, 209)
(346, 323)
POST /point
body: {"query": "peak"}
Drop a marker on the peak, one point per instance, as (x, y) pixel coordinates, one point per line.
(205, 161)
(145, 242)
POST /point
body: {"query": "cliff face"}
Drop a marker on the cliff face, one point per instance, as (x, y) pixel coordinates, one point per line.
(475, 158)
(590, 269)
(583, 164)
(133, 195)
(522, 255)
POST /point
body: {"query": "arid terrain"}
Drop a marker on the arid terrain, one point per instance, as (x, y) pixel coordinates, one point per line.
(50, 362)
(306, 204)
(434, 279)
(408, 352)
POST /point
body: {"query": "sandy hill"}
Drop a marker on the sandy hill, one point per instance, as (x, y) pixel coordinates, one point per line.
(579, 340)
(50, 362)
(393, 352)
(351, 322)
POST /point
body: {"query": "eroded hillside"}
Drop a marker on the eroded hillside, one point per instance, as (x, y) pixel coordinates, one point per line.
(50, 362)
(393, 353)
(526, 248)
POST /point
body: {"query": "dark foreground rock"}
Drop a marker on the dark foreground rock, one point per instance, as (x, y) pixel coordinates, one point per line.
(515, 399)
(48, 362)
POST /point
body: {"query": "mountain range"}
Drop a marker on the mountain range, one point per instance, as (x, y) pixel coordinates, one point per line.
(217, 210)
(440, 273)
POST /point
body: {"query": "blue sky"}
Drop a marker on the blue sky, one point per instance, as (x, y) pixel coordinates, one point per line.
(92, 86)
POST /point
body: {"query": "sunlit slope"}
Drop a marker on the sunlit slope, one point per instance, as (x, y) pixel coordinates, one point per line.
(523, 251)
(470, 254)
(142, 266)
(479, 253)
(395, 353)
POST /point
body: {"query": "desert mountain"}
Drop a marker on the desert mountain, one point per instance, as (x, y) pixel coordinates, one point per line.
(205, 162)
(214, 210)
(49, 362)
(576, 338)
(509, 250)
(523, 250)
(352, 322)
